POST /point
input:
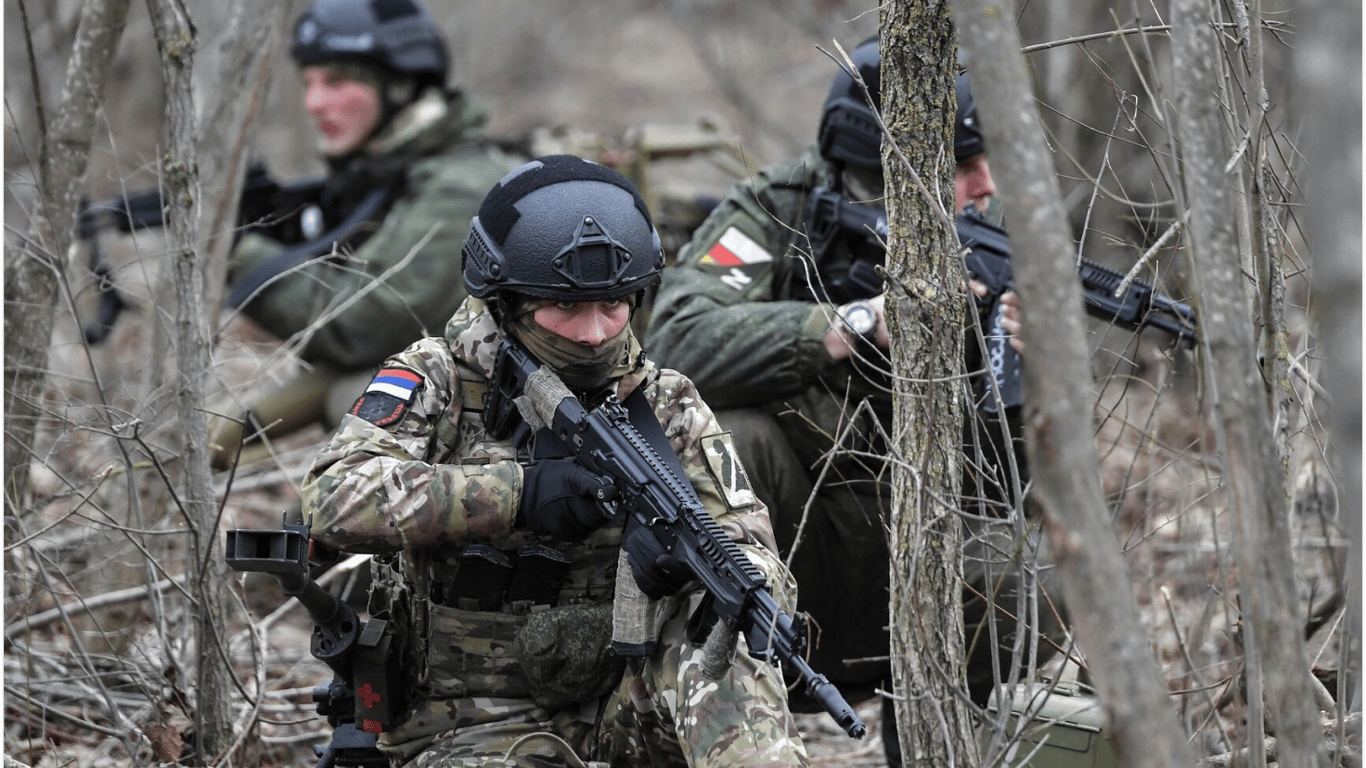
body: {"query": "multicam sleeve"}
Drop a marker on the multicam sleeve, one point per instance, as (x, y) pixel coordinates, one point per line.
(376, 488)
(714, 468)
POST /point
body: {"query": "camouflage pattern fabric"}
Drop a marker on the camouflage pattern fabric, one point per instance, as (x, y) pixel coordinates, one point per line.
(732, 315)
(662, 714)
(433, 482)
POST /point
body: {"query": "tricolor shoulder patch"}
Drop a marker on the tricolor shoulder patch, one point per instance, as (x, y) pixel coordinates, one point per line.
(388, 396)
(735, 249)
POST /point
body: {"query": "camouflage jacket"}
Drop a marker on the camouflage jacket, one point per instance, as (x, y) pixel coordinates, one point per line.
(436, 156)
(432, 481)
(735, 316)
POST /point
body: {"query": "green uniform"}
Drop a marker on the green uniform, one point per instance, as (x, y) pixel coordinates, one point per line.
(424, 486)
(735, 316)
(357, 306)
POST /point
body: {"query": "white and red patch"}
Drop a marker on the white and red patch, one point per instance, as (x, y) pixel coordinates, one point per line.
(735, 249)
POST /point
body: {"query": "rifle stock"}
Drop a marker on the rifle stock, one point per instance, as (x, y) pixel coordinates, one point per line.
(655, 497)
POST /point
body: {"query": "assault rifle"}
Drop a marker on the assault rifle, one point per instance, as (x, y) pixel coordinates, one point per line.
(1139, 306)
(266, 206)
(830, 219)
(364, 695)
(661, 513)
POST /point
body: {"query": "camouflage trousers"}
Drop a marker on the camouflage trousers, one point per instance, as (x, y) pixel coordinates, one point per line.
(664, 713)
(841, 564)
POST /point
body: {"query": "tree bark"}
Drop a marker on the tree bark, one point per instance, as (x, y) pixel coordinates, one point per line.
(247, 52)
(1276, 663)
(176, 41)
(34, 266)
(925, 314)
(1141, 721)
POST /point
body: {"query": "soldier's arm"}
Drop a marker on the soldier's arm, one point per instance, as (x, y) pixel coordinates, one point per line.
(377, 488)
(716, 319)
(370, 306)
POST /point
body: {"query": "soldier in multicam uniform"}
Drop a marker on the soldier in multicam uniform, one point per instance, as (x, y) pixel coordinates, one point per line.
(496, 556)
(770, 338)
(374, 78)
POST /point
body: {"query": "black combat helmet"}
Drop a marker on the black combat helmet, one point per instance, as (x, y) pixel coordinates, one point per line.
(967, 131)
(398, 34)
(849, 133)
(563, 228)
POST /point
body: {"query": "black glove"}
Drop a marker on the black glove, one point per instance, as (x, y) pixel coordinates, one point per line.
(564, 501)
(658, 573)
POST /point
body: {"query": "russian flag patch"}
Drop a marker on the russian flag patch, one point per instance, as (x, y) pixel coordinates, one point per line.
(388, 396)
(736, 249)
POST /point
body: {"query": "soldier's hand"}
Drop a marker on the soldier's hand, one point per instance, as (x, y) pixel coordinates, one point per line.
(657, 573)
(841, 340)
(1012, 318)
(563, 501)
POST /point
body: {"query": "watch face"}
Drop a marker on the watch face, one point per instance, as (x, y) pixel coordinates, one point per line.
(861, 318)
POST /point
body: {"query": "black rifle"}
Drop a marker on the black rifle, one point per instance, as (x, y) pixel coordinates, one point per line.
(1139, 306)
(831, 219)
(266, 206)
(654, 496)
(364, 696)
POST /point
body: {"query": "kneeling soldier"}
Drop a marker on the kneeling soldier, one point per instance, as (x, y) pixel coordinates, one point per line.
(494, 552)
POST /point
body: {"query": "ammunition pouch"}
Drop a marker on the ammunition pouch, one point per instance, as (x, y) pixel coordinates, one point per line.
(566, 654)
(494, 628)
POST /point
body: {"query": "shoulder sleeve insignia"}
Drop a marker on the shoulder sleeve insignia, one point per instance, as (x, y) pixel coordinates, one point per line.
(388, 396)
(736, 249)
(738, 258)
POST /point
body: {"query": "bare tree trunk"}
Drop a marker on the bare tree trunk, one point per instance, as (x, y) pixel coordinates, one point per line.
(247, 52)
(1276, 664)
(33, 268)
(1327, 89)
(925, 312)
(176, 40)
(1141, 720)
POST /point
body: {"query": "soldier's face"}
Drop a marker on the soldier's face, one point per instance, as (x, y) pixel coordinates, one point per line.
(589, 323)
(972, 184)
(345, 111)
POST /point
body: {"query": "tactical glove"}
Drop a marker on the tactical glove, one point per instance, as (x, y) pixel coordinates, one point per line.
(563, 501)
(658, 573)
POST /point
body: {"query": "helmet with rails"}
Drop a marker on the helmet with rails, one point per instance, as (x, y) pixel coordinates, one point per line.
(967, 130)
(563, 228)
(849, 133)
(397, 34)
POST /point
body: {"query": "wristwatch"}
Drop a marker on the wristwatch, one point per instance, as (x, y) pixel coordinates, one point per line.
(860, 318)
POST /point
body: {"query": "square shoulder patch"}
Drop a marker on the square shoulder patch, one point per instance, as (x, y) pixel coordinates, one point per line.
(724, 467)
(738, 257)
(388, 396)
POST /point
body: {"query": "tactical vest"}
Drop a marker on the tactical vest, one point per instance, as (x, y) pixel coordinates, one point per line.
(506, 617)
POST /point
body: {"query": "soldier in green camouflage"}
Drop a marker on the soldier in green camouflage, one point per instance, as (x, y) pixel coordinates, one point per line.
(494, 554)
(786, 340)
(374, 81)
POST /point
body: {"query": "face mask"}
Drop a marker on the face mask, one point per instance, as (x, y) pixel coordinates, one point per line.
(581, 367)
